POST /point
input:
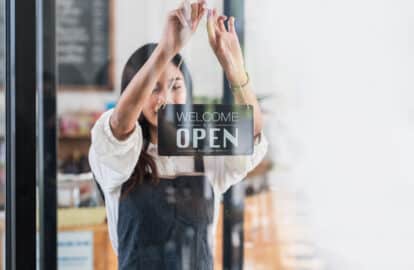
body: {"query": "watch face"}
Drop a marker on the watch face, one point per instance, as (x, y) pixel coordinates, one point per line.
(212, 129)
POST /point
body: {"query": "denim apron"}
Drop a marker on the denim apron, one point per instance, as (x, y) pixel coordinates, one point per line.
(166, 226)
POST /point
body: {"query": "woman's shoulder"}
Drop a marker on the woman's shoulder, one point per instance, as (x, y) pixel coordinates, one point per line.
(101, 131)
(111, 160)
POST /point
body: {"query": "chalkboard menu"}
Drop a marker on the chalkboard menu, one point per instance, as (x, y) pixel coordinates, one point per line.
(2, 45)
(84, 44)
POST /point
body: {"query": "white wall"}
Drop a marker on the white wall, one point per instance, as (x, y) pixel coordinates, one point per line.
(343, 75)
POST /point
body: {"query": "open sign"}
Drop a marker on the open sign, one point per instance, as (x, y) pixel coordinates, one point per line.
(212, 129)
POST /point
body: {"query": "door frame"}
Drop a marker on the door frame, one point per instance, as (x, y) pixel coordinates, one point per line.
(20, 207)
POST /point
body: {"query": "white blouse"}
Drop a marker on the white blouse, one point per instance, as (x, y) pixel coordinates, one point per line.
(112, 162)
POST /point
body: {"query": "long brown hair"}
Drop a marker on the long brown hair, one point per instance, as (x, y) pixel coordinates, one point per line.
(146, 169)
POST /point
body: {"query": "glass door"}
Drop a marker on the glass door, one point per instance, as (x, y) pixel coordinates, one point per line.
(99, 44)
(84, 181)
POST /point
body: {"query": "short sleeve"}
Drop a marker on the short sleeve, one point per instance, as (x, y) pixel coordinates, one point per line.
(226, 171)
(112, 161)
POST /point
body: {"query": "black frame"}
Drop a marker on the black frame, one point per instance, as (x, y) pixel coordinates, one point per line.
(30, 70)
(20, 134)
(47, 134)
(233, 199)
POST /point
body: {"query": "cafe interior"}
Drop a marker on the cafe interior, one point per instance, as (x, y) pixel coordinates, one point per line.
(321, 197)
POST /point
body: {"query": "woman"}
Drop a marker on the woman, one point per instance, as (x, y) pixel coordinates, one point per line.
(162, 211)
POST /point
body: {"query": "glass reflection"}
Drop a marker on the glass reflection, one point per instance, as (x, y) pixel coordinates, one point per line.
(145, 210)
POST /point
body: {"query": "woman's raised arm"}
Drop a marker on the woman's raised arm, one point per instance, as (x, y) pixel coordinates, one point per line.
(226, 46)
(178, 29)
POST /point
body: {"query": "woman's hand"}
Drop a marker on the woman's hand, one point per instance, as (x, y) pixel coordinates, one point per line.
(181, 24)
(226, 46)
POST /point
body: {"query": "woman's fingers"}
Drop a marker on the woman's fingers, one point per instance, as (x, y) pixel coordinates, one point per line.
(211, 27)
(232, 28)
(213, 22)
(215, 19)
(201, 11)
(202, 7)
(186, 10)
(220, 23)
(194, 13)
(197, 12)
(181, 18)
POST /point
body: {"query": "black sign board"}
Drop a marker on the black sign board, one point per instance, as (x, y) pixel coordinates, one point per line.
(213, 129)
(83, 34)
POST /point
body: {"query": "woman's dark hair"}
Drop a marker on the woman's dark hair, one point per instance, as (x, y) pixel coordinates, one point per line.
(146, 169)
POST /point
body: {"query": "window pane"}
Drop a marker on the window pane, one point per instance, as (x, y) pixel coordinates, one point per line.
(95, 41)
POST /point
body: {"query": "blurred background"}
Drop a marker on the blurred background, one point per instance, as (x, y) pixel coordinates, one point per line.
(335, 81)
